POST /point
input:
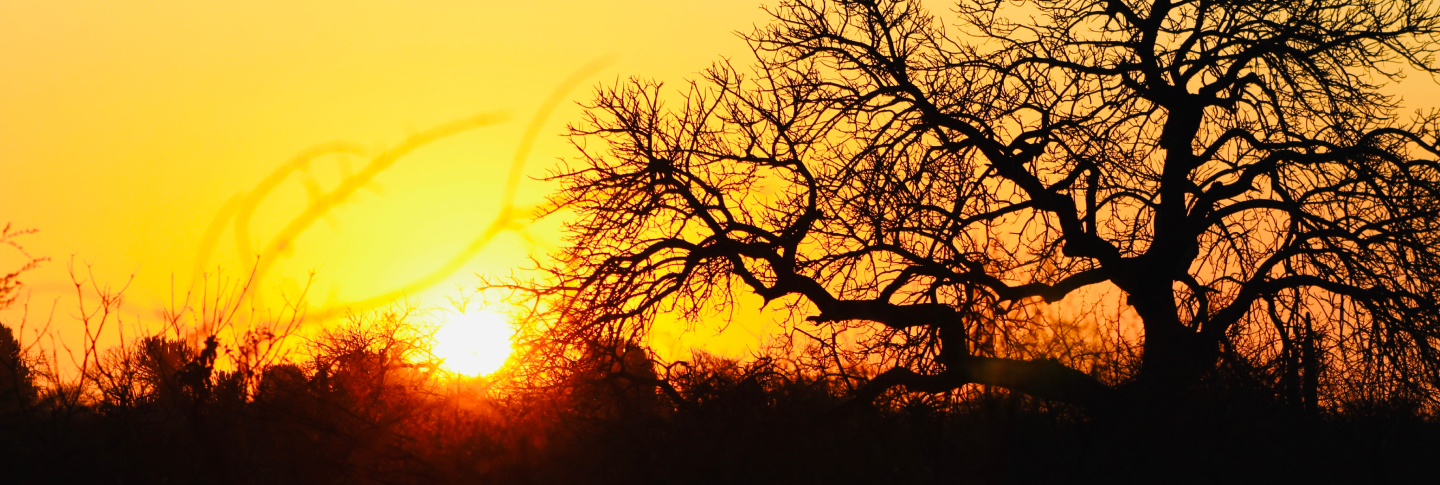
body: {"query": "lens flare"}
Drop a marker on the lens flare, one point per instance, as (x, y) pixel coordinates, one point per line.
(474, 343)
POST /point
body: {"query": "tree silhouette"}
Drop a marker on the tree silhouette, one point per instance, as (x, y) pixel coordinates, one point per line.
(17, 382)
(1232, 168)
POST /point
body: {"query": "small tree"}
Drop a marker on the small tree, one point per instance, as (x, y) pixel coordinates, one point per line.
(17, 382)
(1232, 168)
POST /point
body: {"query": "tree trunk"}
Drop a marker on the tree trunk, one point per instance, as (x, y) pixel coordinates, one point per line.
(1174, 360)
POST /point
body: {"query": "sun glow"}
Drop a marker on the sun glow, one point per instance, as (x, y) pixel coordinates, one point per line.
(474, 343)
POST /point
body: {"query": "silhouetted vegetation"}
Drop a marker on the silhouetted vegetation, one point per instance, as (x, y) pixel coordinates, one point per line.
(363, 402)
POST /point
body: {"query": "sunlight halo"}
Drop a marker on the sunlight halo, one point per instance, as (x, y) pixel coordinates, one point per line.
(474, 343)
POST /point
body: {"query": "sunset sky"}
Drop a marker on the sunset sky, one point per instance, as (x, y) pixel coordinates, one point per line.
(125, 127)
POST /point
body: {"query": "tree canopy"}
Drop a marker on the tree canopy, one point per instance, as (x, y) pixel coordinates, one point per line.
(1235, 169)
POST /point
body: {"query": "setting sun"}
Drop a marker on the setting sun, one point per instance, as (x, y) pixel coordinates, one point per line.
(474, 343)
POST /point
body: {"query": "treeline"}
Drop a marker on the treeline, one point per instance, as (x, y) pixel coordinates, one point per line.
(354, 406)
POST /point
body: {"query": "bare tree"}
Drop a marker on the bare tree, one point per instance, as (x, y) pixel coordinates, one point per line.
(1232, 168)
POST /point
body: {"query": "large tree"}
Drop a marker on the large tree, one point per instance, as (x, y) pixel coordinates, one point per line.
(1235, 169)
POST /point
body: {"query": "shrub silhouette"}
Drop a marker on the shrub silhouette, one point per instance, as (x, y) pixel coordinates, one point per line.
(17, 382)
(362, 405)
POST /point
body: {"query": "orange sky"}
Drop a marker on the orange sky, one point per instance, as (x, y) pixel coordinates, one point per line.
(126, 126)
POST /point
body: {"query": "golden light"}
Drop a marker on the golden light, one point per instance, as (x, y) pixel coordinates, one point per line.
(474, 343)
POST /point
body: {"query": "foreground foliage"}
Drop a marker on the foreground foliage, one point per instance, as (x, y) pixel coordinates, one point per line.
(356, 408)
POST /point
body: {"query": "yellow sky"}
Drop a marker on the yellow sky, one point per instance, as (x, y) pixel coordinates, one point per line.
(126, 126)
